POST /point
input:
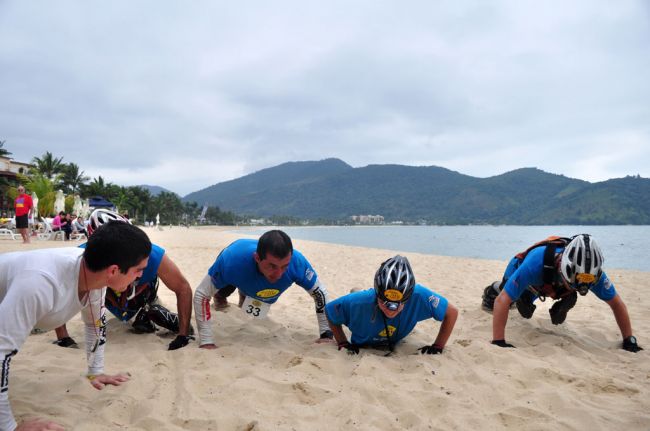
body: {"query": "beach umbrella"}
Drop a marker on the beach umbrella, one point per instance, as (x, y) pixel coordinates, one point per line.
(59, 202)
(85, 208)
(35, 210)
(77, 208)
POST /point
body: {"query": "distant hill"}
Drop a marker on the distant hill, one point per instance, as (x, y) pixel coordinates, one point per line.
(154, 190)
(332, 189)
(285, 175)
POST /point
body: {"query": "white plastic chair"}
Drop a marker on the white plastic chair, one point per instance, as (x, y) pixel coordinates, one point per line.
(48, 233)
(8, 234)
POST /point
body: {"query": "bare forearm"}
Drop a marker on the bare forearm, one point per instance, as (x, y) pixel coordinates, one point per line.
(184, 307)
(447, 326)
(622, 316)
(339, 335)
(500, 316)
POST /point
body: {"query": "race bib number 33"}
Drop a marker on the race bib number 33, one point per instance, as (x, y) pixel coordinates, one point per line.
(255, 308)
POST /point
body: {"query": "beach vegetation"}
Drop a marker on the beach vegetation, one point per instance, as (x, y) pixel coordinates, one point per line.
(44, 189)
(48, 166)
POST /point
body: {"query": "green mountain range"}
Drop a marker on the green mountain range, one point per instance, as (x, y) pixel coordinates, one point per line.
(332, 189)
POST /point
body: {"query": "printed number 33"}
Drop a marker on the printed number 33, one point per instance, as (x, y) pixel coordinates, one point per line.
(255, 311)
(255, 308)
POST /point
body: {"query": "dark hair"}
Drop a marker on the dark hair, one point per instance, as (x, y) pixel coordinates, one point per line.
(274, 242)
(116, 243)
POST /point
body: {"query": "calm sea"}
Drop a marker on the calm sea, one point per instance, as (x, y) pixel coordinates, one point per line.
(623, 246)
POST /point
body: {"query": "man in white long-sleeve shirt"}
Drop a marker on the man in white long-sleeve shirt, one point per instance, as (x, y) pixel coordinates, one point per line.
(46, 288)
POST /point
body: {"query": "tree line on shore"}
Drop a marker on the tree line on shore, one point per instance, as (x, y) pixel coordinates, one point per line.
(49, 173)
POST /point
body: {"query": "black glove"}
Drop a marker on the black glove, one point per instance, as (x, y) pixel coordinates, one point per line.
(431, 350)
(352, 349)
(502, 343)
(327, 334)
(630, 345)
(66, 342)
(180, 341)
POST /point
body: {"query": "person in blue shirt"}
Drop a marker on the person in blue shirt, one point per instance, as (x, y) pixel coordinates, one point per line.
(576, 268)
(382, 316)
(139, 301)
(261, 270)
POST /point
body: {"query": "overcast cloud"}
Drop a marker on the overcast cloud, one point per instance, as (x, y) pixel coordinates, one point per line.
(188, 94)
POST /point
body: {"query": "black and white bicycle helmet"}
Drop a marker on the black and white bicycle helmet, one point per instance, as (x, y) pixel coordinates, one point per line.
(582, 262)
(394, 280)
(101, 216)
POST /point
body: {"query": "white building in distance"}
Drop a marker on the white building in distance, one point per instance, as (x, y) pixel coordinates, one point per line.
(367, 219)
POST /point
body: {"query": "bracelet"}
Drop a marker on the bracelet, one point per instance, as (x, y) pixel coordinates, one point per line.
(91, 377)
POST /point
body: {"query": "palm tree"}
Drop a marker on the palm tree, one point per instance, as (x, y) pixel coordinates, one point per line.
(3, 151)
(71, 180)
(48, 165)
(97, 187)
(44, 189)
(141, 200)
(169, 206)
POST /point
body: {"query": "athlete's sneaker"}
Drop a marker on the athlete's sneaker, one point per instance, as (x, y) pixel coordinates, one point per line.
(525, 305)
(560, 309)
(142, 324)
(220, 303)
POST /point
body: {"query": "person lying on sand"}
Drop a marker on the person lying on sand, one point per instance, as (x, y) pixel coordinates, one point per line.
(382, 316)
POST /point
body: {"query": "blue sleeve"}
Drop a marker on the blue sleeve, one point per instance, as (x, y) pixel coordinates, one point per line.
(438, 306)
(430, 304)
(302, 272)
(529, 273)
(604, 289)
(337, 311)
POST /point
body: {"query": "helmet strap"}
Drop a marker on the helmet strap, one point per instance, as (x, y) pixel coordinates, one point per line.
(390, 344)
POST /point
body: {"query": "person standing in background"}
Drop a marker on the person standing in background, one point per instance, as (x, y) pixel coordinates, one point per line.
(24, 208)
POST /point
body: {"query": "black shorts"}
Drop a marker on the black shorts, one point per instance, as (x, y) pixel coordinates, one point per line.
(22, 222)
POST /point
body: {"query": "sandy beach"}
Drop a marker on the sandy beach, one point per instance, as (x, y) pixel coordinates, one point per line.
(271, 375)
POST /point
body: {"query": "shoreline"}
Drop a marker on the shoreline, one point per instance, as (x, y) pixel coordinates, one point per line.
(409, 246)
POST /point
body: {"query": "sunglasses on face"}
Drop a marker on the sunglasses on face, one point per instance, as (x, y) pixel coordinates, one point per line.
(391, 305)
(584, 282)
(393, 299)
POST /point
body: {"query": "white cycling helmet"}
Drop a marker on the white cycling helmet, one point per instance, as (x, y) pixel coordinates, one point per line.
(582, 263)
(101, 216)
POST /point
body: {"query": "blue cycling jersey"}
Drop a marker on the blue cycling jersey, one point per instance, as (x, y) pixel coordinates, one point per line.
(236, 266)
(529, 272)
(360, 313)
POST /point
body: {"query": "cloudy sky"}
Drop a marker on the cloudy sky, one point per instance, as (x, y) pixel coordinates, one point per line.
(188, 94)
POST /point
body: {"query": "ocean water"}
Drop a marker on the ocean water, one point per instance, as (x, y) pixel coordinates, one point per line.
(625, 247)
